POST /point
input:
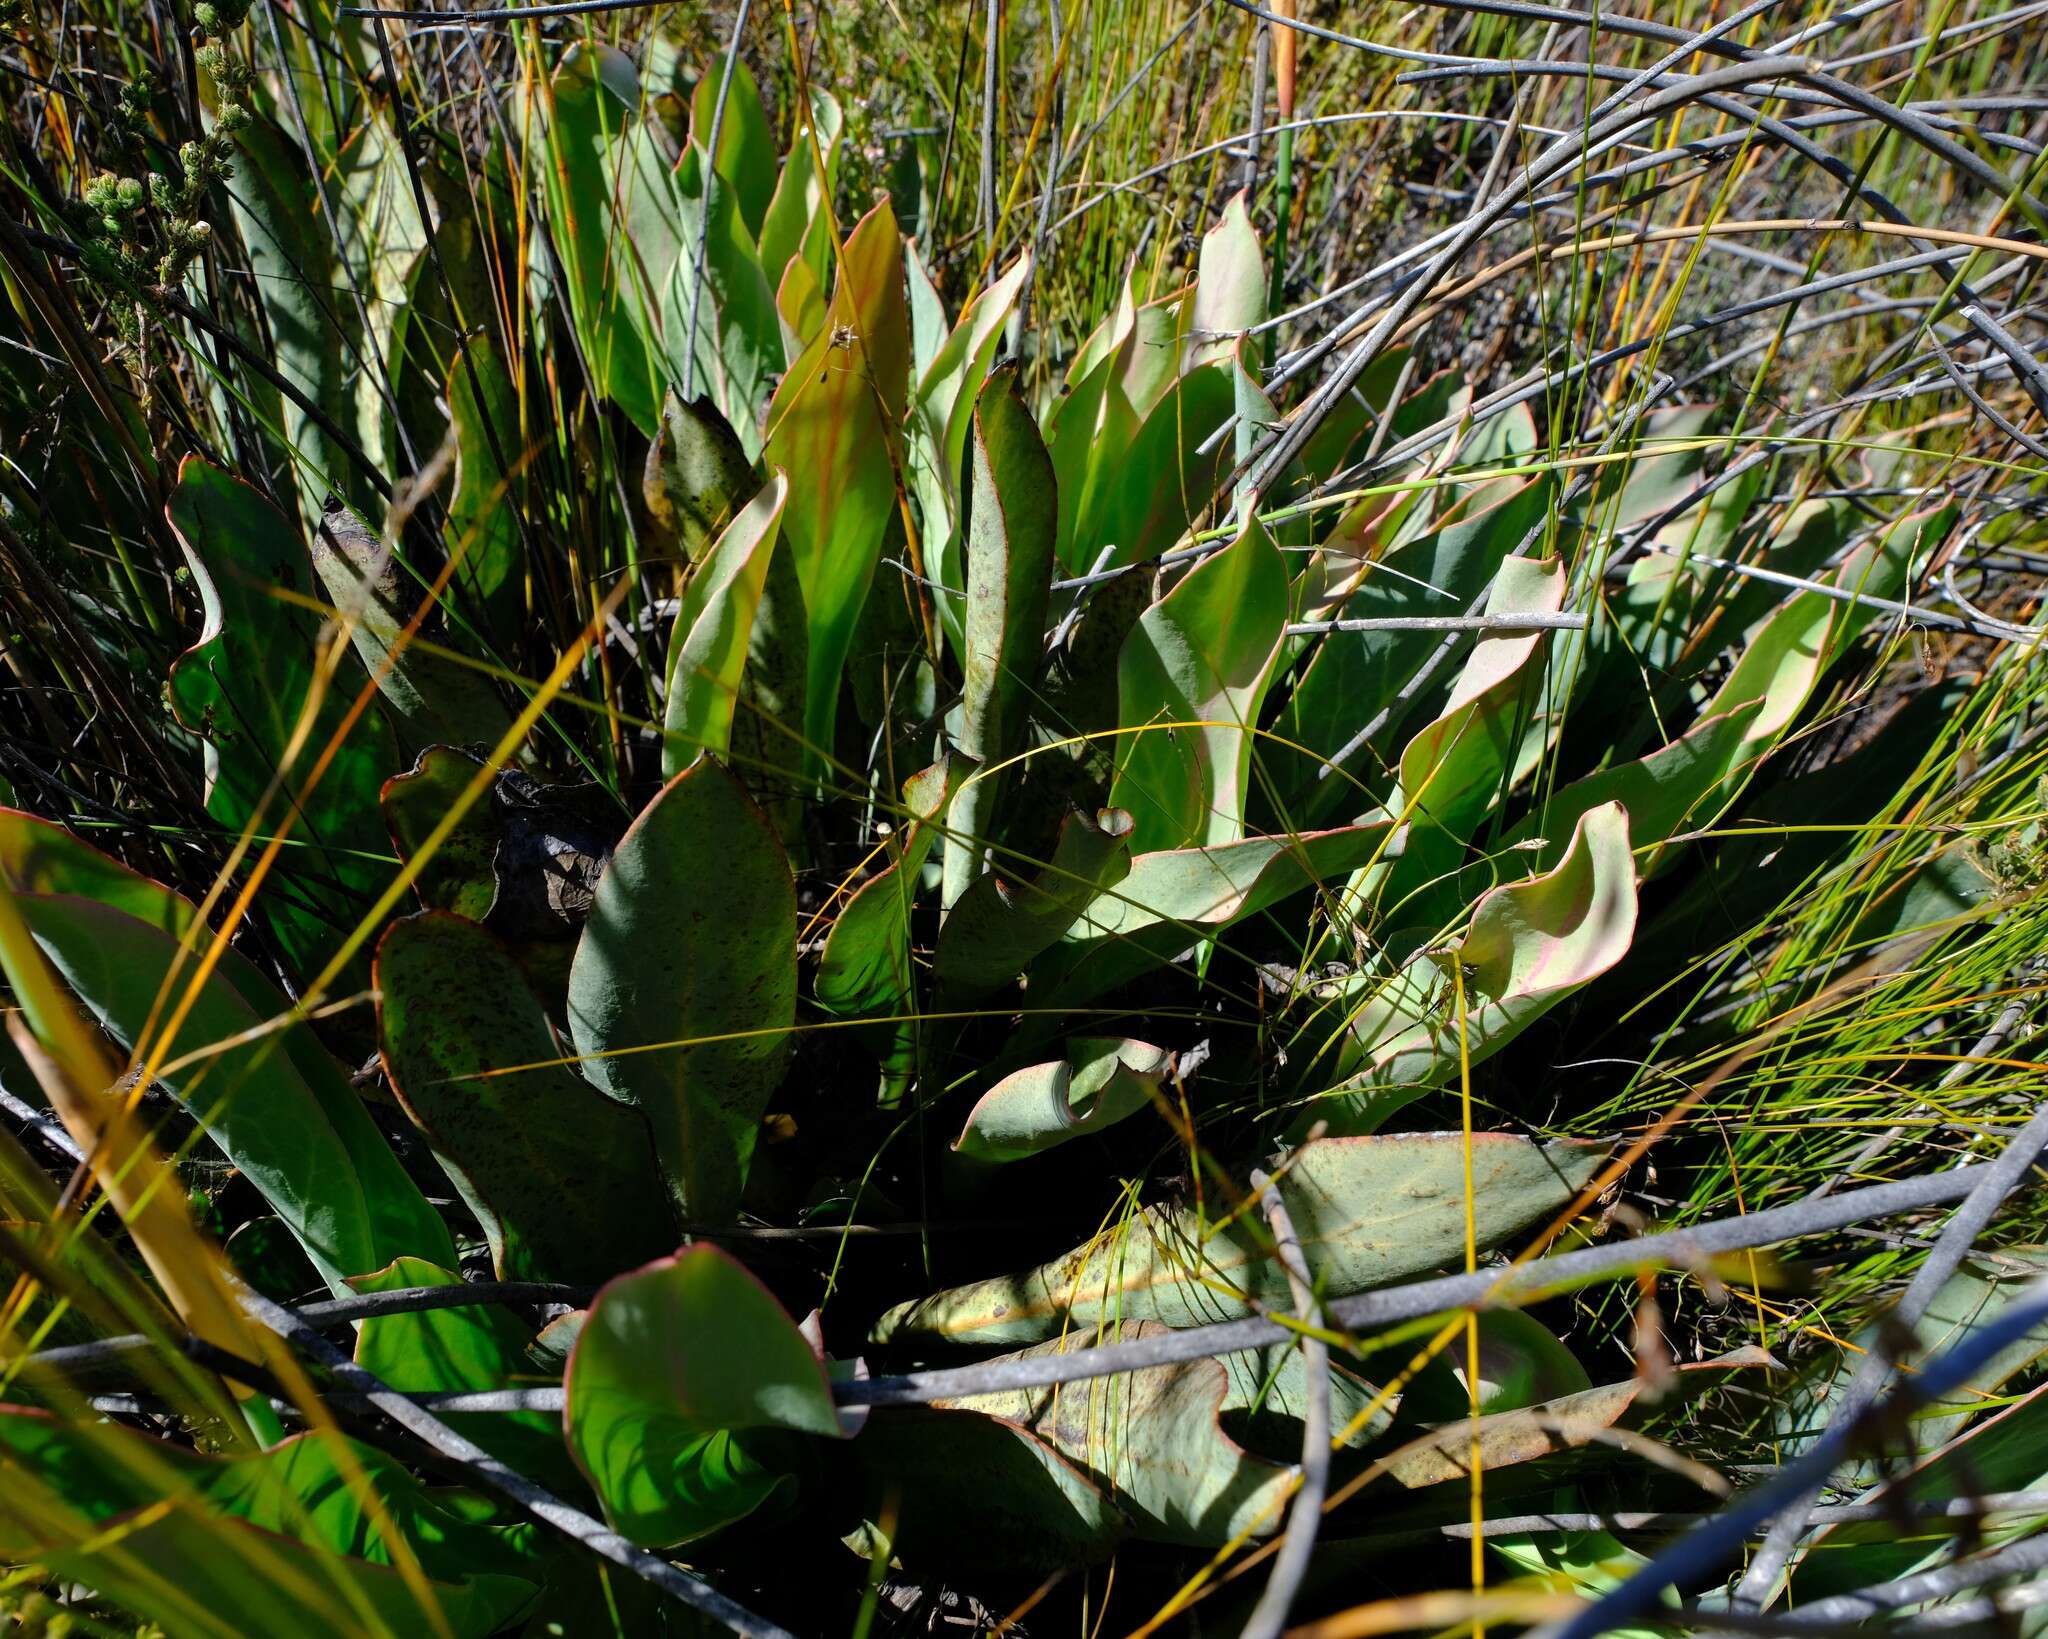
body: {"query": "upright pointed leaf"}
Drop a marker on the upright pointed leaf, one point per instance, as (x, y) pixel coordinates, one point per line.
(434, 698)
(483, 530)
(949, 386)
(1009, 533)
(302, 286)
(589, 101)
(746, 147)
(1229, 295)
(113, 934)
(831, 428)
(1353, 677)
(739, 348)
(1190, 682)
(1449, 770)
(242, 688)
(794, 226)
(714, 631)
(683, 989)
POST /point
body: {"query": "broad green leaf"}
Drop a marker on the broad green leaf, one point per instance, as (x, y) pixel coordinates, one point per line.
(831, 427)
(562, 1179)
(746, 147)
(949, 388)
(1268, 1398)
(39, 857)
(999, 925)
(714, 630)
(865, 966)
(1450, 770)
(739, 346)
(1883, 567)
(1100, 1081)
(1531, 944)
(1668, 455)
(482, 529)
(683, 989)
(1229, 294)
(1147, 481)
(1148, 358)
(1190, 682)
(381, 240)
(1174, 900)
(698, 476)
(435, 698)
(1353, 677)
(1678, 788)
(1009, 558)
(242, 688)
(589, 100)
(1158, 1441)
(300, 1135)
(1659, 612)
(300, 283)
(929, 327)
(794, 227)
(1369, 1212)
(1154, 1439)
(676, 1365)
(799, 309)
(461, 875)
(477, 1347)
(1088, 433)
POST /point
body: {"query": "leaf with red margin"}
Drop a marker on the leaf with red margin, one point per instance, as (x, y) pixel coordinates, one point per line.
(677, 1370)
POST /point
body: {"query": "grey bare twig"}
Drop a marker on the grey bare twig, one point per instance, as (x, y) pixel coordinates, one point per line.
(1290, 1566)
(1488, 1288)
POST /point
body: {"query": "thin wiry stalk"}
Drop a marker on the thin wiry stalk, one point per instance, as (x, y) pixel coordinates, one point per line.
(1875, 1369)
(1702, 1551)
